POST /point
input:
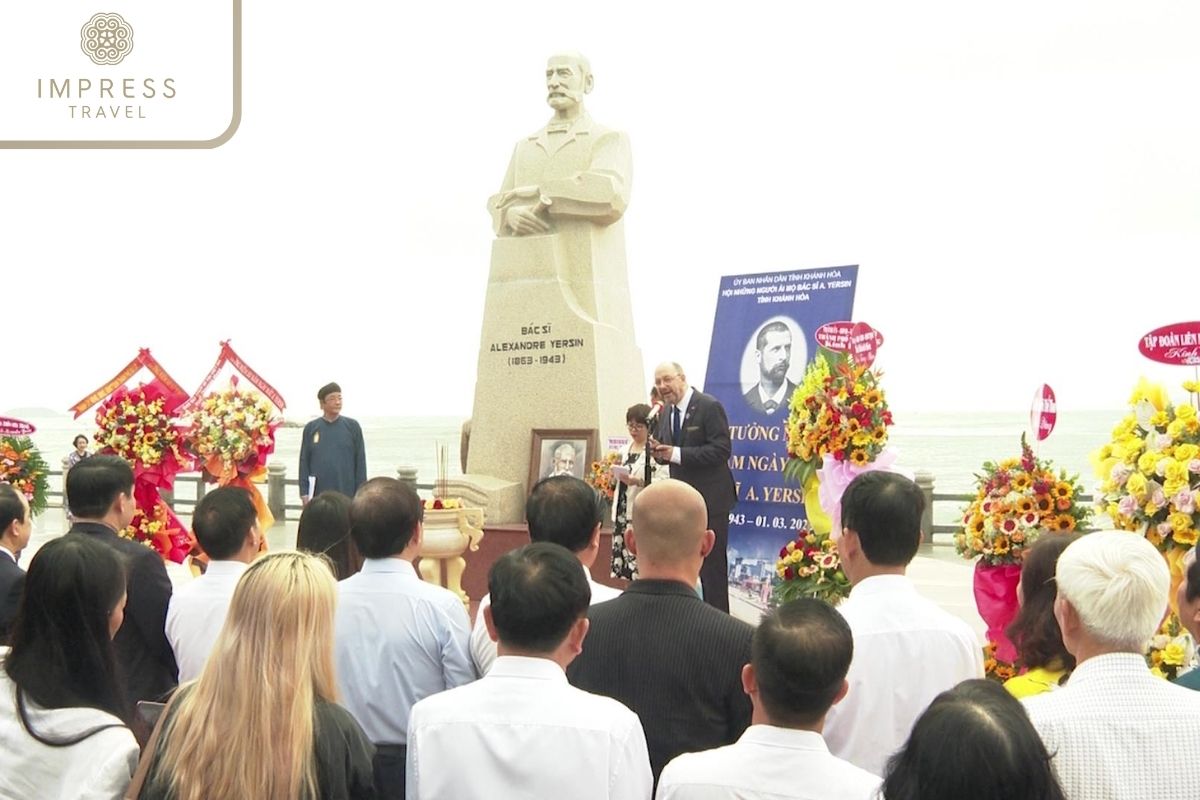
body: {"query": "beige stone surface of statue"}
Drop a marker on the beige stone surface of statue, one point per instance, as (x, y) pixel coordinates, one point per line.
(557, 348)
(573, 168)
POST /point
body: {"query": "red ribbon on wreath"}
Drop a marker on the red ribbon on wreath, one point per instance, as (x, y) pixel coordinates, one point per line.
(151, 443)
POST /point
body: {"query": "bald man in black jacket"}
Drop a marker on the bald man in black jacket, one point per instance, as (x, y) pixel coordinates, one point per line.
(658, 648)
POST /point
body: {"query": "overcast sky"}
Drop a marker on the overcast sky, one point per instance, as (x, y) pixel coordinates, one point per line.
(1020, 183)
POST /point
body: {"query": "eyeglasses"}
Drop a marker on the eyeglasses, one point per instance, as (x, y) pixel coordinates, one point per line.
(633, 426)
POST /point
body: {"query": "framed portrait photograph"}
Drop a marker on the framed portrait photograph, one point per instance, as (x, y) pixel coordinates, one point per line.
(561, 452)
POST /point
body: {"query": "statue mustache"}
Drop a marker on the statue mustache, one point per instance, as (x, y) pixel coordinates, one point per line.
(568, 93)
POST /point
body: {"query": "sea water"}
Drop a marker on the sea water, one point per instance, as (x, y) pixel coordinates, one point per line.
(951, 446)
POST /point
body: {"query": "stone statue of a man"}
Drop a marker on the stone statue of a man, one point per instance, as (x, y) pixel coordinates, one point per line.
(572, 169)
(557, 311)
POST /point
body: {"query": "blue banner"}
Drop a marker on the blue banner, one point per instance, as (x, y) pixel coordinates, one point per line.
(763, 339)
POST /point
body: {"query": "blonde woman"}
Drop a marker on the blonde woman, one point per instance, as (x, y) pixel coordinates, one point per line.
(261, 720)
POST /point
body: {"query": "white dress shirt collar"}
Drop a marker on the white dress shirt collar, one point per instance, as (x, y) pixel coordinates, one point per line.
(528, 667)
(398, 566)
(792, 738)
(882, 584)
(778, 397)
(1107, 665)
(684, 402)
(225, 568)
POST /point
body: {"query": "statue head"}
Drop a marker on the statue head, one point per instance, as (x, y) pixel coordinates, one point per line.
(568, 79)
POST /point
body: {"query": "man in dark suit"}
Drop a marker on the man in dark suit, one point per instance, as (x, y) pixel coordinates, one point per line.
(16, 526)
(693, 437)
(100, 492)
(773, 352)
(657, 648)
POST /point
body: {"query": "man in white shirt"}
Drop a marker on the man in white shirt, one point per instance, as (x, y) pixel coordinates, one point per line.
(797, 670)
(566, 511)
(907, 650)
(523, 731)
(397, 638)
(226, 526)
(1114, 730)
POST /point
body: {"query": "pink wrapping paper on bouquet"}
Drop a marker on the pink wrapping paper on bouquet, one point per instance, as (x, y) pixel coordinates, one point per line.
(834, 476)
(996, 599)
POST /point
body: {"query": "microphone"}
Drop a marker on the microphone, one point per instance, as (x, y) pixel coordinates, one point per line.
(653, 415)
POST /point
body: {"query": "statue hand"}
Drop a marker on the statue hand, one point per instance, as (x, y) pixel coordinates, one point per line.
(523, 221)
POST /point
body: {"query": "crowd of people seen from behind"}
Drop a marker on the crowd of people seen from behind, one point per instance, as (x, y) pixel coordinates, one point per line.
(334, 671)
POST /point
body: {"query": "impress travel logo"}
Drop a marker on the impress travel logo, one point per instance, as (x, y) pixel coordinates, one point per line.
(106, 39)
(79, 81)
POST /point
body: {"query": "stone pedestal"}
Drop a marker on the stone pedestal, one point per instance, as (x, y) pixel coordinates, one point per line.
(557, 349)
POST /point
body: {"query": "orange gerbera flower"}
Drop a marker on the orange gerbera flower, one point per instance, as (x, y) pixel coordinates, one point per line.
(1064, 522)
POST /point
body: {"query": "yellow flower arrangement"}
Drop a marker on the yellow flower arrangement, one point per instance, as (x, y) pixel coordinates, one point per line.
(599, 475)
(1017, 501)
(1150, 471)
(809, 566)
(231, 433)
(838, 409)
(1170, 650)
(137, 425)
(993, 668)
(22, 465)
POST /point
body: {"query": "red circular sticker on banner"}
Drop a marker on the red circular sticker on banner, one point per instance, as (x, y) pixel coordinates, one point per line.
(1044, 412)
(1173, 344)
(15, 427)
(864, 343)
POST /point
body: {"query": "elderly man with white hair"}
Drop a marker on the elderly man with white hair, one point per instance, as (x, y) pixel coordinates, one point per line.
(1116, 731)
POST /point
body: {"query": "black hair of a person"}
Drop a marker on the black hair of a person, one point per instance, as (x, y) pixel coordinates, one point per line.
(884, 509)
(1034, 631)
(325, 528)
(537, 593)
(639, 413)
(801, 652)
(222, 520)
(11, 508)
(61, 654)
(94, 484)
(997, 753)
(1191, 581)
(565, 510)
(383, 517)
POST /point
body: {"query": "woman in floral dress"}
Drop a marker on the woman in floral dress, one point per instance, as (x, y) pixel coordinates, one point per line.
(642, 471)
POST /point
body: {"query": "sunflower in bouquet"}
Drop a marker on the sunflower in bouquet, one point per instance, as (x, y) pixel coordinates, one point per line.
(1150, 471)
(838, 409)
(809, 566)
(599, 475)
(995, 669)
(22, 466)
(1016, 501)
(231, 433)
(138, 425)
